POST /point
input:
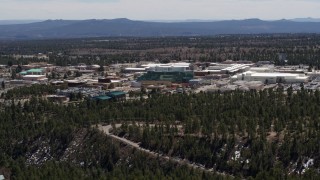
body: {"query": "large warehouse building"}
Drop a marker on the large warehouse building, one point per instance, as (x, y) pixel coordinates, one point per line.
(271, 77)
(172, 72)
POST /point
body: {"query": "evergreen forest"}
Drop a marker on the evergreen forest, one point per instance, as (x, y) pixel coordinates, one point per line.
(271, 134)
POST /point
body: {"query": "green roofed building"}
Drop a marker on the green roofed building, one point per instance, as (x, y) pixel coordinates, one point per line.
(102, 98)
(116, 94)
(171, 72)
(23, 73)
(175, 77)
(35, 72)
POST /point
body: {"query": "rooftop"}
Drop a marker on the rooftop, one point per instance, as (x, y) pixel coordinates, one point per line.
(167, 65)
(35, 76)
(116, 93)
(271, 74)
(35, 71)
(102, 97)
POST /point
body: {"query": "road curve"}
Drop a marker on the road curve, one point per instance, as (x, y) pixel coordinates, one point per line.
(106, 129)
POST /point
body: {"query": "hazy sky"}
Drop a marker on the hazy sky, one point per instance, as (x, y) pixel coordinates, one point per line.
(158, 9)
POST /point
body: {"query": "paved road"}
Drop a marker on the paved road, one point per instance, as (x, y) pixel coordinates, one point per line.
(106, 130)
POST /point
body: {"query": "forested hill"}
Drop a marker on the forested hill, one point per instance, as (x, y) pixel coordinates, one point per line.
(126, 27)
(270, 134)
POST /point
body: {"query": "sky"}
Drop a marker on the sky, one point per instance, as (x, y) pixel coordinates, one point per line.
(158, 9)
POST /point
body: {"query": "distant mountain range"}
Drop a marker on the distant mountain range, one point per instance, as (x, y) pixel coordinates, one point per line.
(7, 22)
(125, 27)
(306, 19)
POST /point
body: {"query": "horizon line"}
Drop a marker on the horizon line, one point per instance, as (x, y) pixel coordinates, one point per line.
(5, 22)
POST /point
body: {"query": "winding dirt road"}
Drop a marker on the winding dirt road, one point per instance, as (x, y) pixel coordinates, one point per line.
(106, 129)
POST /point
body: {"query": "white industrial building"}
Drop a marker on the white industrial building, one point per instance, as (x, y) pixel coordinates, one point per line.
(170, 67)
(134, 70)
(271, 77)
(264, 69)
(228, 68)
(235, 68)
(35, 78)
